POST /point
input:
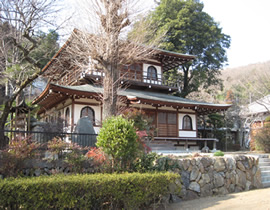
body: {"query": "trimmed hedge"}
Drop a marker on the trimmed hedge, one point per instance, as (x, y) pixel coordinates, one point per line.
(96, 191)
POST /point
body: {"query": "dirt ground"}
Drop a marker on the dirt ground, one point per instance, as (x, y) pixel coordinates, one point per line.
(250, 200)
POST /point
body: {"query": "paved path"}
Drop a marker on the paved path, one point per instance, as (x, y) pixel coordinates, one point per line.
(250, 200)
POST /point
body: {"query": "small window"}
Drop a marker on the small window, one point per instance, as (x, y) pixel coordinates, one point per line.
(67, 117)
(152, 73)
(88, 112)
(187, 123)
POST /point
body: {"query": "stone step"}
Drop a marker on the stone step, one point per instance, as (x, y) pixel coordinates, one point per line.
(265, 178)
(263, 156)
(266, 184)
(264, 168)
(265, 173)
(264, 160)
(264, 164)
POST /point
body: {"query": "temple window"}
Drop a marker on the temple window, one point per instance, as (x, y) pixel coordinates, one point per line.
(187, 123)
(88, 112)
(152, 73)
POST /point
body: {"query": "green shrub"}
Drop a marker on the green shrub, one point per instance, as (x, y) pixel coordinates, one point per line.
(262, 139)
(146, 163)
(97, 191)
(118, 139)
(219, 153)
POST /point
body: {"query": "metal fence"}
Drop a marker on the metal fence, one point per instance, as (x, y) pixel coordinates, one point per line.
(82, 139)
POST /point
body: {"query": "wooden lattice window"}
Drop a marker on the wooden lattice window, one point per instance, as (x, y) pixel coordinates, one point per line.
(152, 73)
(187, 123)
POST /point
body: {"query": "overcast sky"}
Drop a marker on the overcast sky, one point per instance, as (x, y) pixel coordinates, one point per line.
(246, 21)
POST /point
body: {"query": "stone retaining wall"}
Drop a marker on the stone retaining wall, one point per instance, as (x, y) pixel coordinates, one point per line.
(200, 176)
(206, 176)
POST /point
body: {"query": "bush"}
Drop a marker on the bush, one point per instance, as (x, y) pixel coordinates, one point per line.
(262, 139)
(118, 139)
(19, 149)
(98, 191)
(219, 153)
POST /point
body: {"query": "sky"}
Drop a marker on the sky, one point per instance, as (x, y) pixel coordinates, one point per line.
(246, 21)
(248, 24)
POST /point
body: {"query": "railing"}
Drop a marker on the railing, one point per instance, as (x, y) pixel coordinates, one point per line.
(82, 139)
(136, 76)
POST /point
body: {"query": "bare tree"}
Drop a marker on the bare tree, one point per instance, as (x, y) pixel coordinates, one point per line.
(101, 41)
(20, 21)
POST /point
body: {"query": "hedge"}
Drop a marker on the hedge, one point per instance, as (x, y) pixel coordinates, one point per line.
(94, 191)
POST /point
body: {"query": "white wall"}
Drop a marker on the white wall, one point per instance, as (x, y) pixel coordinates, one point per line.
(159, 72)
(183, 133)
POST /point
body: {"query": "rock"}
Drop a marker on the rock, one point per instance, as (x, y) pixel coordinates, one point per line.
(240, 166)
(193, 161)
(219, 165)
(205, 179)
(37, 172)
(180, 164)
(47, 171)
(231, 188)
(245, 163)
(198, 161)
(183, 192)
(254, 170)
(211, 173)
(218, 180)
(238, 189)
(194, 186)
(222, 191)
(185, 178)
(250, 161)
(198, 177)
(201, 168)
(227, 183)
(206, 190)
(230, 162)
(194, 173)
(249, 175)
(242, 179)
(248, 184)
(190, 195)
(257, 179)
(175, 199)
(206, 162)
(186, 164)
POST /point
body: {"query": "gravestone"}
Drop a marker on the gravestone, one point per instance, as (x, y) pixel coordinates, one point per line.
(84, 133)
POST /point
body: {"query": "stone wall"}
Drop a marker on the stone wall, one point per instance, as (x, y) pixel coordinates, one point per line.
(207, 176)
(200, 176)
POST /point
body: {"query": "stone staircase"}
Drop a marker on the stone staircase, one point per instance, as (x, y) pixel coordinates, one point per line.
(264, 164)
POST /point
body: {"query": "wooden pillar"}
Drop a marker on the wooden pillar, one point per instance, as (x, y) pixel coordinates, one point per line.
(72, 114)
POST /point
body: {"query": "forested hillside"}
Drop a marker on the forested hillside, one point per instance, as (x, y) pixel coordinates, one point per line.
(246, 84)
(241, 85)
(238, 75)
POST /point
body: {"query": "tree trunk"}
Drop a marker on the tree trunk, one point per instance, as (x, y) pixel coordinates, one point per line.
(110, 85)
(185, 89)
(3, 119)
